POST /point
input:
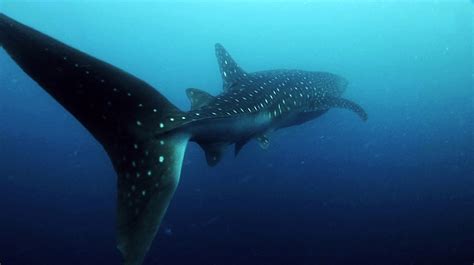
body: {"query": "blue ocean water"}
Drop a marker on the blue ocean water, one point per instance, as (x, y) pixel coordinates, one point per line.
(398, 189)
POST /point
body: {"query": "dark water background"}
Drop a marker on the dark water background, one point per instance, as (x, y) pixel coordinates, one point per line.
(398, 189)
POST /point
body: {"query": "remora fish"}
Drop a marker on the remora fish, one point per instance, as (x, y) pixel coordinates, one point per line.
(145, 135)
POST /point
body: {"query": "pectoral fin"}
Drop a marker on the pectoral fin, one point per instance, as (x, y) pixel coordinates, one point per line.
(263, 141)
(346, 104)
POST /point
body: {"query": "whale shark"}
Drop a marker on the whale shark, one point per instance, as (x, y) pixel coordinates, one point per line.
(145, 135)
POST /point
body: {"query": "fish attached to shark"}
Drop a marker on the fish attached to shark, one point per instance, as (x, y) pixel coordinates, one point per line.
(145, 135)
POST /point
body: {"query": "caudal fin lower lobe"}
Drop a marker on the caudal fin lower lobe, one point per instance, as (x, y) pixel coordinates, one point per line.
(123, 113)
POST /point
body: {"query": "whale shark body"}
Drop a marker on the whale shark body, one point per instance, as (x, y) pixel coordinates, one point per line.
(145, 135)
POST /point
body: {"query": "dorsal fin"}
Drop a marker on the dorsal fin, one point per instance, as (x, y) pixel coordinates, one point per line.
(198, 98)
(230, 71)
(213, 152)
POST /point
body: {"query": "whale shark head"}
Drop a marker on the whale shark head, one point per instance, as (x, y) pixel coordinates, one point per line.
(342, 83)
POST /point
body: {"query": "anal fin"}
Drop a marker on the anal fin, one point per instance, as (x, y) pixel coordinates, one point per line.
(213, 152)
(239, 145)
(262, 140)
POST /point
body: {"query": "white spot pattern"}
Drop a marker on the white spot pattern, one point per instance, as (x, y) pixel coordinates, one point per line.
(270, 91)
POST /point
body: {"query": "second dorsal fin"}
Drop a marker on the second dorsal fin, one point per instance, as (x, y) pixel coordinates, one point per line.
(198, 98)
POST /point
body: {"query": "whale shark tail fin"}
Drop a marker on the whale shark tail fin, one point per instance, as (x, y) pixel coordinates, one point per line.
(136, 125)
(230, 71)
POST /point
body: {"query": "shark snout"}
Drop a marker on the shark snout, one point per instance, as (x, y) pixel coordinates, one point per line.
(343, 83)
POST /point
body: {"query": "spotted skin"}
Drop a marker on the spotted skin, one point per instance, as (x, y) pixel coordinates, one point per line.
(255, 104)
(146, 136)
(281, 91)
(275, 92)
